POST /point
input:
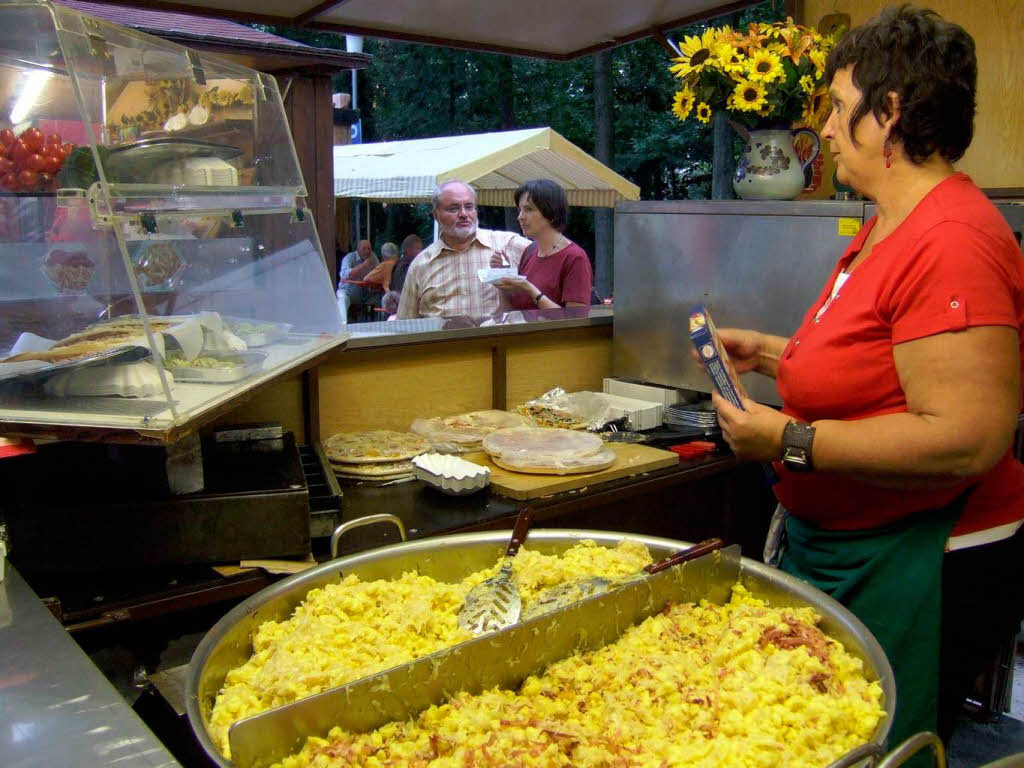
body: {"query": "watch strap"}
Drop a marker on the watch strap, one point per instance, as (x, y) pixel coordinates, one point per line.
(797, 442)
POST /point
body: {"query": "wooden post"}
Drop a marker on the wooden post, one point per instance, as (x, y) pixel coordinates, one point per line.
(604, 218)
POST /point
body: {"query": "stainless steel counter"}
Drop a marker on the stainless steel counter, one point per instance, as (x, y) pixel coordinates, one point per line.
(56, 707)
(395, 332)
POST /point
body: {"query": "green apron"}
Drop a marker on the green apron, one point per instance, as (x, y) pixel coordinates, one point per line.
(891, 579)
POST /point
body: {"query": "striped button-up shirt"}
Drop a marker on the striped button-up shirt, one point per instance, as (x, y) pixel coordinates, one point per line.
(444, 282)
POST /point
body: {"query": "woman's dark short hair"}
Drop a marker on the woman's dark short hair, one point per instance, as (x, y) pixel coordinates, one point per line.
(929, 62)
(550, 200)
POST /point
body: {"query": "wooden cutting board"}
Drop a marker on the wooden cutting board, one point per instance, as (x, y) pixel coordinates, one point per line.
(629, 460)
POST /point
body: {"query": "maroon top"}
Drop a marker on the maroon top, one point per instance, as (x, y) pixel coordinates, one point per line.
(563, 276)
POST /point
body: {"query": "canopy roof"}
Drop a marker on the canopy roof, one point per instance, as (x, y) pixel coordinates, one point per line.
(493, 163)
(554, 30)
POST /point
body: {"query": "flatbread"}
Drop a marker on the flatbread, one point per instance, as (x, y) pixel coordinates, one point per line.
(464, 432)
(567, 466)
(388, 479)
(374, 446)
(546, 416)
(94, 339)
(535, 442)
(380, 469)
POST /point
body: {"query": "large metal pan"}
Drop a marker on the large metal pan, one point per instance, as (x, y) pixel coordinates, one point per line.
(450, 558)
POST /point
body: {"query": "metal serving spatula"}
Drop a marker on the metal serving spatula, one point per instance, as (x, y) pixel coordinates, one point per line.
(574, 591)
(495, 603)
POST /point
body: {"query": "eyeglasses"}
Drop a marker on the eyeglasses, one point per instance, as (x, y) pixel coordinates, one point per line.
(454, 209)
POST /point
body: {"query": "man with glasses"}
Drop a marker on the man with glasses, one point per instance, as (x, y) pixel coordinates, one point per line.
(443, 280)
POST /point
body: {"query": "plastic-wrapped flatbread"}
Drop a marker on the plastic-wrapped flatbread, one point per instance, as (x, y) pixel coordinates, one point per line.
(547, 451)
(465, 431)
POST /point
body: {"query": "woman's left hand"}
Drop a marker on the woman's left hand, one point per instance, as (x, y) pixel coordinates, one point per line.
(513, 284)
(754, 433)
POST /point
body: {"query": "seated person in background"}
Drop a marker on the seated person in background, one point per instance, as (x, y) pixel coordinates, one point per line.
(355, 266)
(390, 305)
(411, 247)
(381, 274)
(554, 272)
(443, 279)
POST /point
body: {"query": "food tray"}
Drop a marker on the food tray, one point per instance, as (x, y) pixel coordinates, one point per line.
(126, 354)
(247, 363)
(256, 333)
(450, 558)
(133, 162)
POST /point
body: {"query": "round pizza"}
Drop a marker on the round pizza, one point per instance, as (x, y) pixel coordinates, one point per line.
(374, 446)
(535, 442)
(552, 465)
(380, 469)
(465, 430)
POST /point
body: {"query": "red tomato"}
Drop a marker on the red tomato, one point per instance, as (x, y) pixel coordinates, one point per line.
(54, 150)
(10, 182)
(52, 164)
(68, 148)
(46, 181)
(28, 179)
(3, 150)
(35, 162)
(6, 137)
(19, 151)
(6, 166)
(33, 139)
(54, 138)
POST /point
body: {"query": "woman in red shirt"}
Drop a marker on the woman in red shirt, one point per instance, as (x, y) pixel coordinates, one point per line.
(898, 491)
(554, 272)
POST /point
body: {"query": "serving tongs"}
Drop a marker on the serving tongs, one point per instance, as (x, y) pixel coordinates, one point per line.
(496, 603)
(574, 591)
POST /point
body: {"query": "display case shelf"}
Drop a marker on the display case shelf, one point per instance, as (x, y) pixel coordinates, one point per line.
(180, 226)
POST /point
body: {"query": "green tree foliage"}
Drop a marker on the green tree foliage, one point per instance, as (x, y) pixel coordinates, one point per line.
(418, 91)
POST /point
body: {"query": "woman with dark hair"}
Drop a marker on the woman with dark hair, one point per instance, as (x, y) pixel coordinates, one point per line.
(554, 272)
(899, 494)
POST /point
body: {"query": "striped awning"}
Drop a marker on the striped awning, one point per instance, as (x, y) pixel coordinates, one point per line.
(493, 163)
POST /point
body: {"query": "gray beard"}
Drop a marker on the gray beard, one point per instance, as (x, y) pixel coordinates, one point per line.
(464, 232)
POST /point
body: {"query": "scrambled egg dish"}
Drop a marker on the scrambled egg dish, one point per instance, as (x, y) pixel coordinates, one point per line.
(352, 629)
(703, 685)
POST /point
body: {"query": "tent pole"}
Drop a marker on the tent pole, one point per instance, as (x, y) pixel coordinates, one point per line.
(435, 230)
(368, 233)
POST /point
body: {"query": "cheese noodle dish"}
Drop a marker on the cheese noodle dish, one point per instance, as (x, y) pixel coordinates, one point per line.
(698, 685)
(352, 629)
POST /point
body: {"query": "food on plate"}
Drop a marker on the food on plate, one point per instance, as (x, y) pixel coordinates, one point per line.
(177, 360)
(157, 262)
(548, 451)
(96, 339)
(348, 630)
(731, 686)
(69, 271)
(465, 431)
(384, 470)
(373, 446)
(551, 416)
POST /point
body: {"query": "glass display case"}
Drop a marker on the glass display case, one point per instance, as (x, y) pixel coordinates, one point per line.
(156, 256)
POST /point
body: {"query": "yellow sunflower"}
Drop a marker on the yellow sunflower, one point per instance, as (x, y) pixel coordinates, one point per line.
(683, 103)
(695, 54)
(729, 59)
(749, 96)
(703, 112)
(817, 108)
(765, 67)
(807, 84)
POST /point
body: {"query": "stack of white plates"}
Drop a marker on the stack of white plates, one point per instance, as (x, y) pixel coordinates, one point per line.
(700, 415)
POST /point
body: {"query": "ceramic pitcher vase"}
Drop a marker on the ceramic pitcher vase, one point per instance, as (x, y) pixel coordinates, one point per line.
(769, 168)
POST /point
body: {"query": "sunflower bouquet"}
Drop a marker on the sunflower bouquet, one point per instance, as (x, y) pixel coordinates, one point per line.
(772, 75)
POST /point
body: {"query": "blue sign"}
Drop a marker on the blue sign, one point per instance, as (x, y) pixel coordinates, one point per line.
(356, 132)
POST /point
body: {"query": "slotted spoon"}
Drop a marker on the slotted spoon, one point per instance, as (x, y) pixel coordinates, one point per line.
(574, 591)
(495, 603)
